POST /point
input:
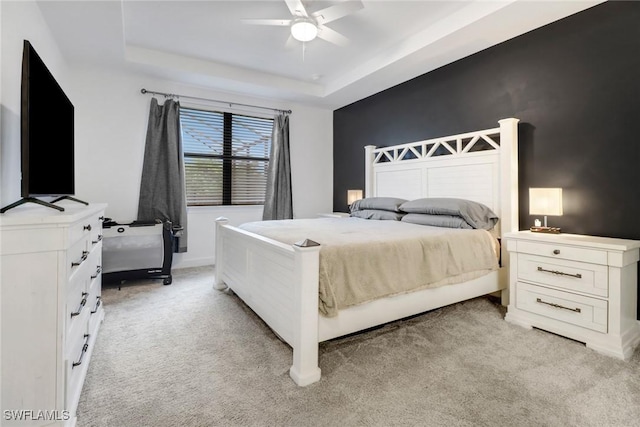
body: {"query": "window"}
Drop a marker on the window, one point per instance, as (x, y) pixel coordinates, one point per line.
(225, 157)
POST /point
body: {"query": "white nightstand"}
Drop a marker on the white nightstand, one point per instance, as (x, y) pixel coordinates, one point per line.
(334, 215)
(581, 287)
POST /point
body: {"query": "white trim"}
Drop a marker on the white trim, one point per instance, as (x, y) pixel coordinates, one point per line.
(189, 263)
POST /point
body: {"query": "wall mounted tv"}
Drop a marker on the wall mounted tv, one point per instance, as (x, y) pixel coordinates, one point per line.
(47, 134)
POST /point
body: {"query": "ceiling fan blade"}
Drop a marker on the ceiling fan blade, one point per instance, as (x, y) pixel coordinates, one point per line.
(337, 11)
(291, 43)
(296, 8)
(276, 22)
(326, 33)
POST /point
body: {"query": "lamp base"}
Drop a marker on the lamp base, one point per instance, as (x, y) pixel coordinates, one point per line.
(551, 230)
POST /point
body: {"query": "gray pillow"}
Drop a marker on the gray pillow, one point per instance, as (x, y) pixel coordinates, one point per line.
(380, 203)
(448, 221)
(377, 214)
(475, 214)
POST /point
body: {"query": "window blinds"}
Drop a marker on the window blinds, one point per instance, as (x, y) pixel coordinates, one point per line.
(226, 157)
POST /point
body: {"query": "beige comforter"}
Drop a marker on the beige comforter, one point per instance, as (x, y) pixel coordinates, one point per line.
(361, 260)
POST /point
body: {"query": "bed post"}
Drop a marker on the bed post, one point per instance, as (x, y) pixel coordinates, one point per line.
(509, 174)
(508, 190)
(305, 368)
(369, 177)
(218, 283)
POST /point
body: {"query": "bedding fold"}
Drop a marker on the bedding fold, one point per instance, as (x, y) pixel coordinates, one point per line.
(362, 260)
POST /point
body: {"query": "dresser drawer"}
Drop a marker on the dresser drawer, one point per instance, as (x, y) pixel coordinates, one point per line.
(96, 237)
(96, 229)
(95, 304)
(76, 258)
(78, 300)
(593, 256)
(75, 366)
(94, 261)
(586, 312)
(96, 268)
(81, 230)
(561, 273)
(78, 282)
(77, 307)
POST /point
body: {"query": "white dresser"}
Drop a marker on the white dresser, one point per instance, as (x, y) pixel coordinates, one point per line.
(51, 309)
(581, 287)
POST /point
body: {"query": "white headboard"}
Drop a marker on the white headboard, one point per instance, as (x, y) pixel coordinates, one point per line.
(481, 166)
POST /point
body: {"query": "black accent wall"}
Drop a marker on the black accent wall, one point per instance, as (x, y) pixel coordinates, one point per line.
(574, 85)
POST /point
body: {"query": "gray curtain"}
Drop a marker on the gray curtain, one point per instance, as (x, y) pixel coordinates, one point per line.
(278, 200)
(162, 189)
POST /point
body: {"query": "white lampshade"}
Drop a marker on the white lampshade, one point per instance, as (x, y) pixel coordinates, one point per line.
(304, 30)
(353, 195)
(545, 201)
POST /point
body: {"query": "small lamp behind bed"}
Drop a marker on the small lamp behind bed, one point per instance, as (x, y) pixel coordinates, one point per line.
(545, 201)
(352, 196)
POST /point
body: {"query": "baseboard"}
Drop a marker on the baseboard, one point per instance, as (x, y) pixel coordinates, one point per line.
(193, 262)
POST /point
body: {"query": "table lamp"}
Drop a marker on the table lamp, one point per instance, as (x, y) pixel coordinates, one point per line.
(545, 201)
(353, 195)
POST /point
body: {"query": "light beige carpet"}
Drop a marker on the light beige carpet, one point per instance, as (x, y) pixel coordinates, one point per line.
(188, 355)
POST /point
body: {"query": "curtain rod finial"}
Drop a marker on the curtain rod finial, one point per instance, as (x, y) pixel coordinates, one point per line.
(143, 90)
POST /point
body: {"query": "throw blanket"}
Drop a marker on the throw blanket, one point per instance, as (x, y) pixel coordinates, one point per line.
(361, 260)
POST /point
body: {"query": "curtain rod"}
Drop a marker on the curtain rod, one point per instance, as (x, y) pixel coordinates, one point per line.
(168, 95)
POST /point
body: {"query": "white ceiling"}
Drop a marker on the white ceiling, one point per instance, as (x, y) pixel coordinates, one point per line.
(205, 43)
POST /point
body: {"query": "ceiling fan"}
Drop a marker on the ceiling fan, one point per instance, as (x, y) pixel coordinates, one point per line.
(307, 26)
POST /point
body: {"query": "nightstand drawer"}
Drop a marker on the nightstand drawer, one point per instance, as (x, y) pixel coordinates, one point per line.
(586, 312)
(572, 275)
(592, 256)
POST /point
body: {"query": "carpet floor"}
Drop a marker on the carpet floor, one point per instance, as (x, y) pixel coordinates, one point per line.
(188, 355)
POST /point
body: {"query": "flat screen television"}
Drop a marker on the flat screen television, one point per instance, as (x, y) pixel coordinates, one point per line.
(47, 136)
(47, 131)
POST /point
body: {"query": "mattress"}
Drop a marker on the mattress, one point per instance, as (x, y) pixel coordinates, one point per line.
(362, 260)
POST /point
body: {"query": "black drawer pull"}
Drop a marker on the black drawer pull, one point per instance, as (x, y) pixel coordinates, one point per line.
(98, 302)
(82, 258)
(87, 227)
(82, 303)
(85, 347)
(96, 241)
(561, 273)
(556, 251)
(98, 270)
(577, 310)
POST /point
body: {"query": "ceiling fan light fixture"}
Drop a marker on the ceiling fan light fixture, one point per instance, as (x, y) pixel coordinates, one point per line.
(304, 30)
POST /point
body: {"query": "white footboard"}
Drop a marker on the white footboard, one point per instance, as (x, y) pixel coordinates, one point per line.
(280, 283)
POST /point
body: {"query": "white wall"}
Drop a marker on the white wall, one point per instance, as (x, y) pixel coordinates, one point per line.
(22, 21)
(111, 120)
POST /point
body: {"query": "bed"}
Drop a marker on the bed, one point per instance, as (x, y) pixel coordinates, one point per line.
(281, 281)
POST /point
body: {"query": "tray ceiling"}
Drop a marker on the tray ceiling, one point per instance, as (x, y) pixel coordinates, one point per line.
(206, 43)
